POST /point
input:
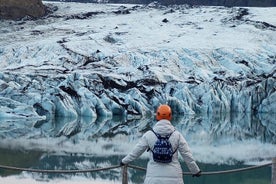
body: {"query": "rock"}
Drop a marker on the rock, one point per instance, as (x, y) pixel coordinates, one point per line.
(229, 3)
(14, 9)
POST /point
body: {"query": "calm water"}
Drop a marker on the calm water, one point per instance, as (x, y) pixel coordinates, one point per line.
(222, 143)
(40, 160)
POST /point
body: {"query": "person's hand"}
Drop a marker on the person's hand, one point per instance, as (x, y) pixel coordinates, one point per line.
(197, 174)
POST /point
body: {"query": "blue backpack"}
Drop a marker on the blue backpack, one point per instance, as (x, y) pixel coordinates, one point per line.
(162, 150)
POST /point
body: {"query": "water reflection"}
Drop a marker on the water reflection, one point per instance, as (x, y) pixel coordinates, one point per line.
(238, 126)
(18, 158)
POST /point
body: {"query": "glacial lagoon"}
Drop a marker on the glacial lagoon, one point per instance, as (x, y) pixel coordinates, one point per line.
(218, 143)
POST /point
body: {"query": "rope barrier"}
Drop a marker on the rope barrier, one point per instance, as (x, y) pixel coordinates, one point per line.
(213, 172)
(57, 171)
(235, 170)
(131, 166)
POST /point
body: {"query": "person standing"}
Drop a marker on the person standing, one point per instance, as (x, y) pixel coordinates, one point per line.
(160, 172)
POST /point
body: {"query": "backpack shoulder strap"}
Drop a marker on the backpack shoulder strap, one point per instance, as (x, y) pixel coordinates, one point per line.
(171, 133)
(157, 135)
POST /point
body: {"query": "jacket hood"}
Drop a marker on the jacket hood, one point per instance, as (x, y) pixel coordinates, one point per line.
(163, 127)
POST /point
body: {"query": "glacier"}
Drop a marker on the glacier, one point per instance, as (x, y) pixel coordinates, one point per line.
(105, 60)
(88, 70)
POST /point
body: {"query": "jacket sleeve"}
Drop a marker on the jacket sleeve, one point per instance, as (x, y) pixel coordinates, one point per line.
(185, 152)
(137, 151)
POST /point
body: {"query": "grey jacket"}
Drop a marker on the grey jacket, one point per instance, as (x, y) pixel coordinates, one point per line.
(163, 173)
